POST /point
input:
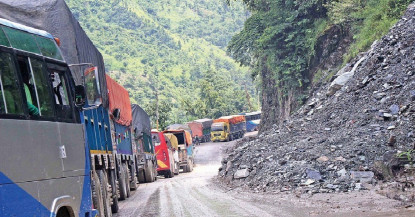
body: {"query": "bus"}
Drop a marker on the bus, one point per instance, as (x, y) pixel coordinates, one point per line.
(44, 162)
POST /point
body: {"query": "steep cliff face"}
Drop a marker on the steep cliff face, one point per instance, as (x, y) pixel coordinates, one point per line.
(330, 48)
(354, 133)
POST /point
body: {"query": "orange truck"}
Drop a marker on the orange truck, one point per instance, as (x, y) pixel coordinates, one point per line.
(228, 128)
(201, 130)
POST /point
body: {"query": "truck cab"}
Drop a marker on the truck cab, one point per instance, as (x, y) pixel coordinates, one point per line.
(220, 132)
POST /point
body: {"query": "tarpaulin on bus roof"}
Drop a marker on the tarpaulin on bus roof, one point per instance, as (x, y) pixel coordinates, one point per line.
(141, 120)
(55, 17)
(233, 119)
(119, 99)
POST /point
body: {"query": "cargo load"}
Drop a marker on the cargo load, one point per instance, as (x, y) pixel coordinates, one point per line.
(55, 17)
(228, 128)
(119, 99)
(200, 129)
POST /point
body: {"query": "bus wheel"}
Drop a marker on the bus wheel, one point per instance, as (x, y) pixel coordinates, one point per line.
(127, 179)
(97, 194)
(106, 195)
(114, 187)
(122, 184)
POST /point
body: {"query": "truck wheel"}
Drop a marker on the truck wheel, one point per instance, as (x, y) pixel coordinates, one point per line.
(106, 194)
(149, 173)
(97, 194)
(227, 138)
(122, 184)
(190, 166)
(177, 171)
(114, 188)
(141, 176)
(133, 177)
(127, 179)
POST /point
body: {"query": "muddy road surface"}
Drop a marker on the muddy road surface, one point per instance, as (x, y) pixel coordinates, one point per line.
(196, 194)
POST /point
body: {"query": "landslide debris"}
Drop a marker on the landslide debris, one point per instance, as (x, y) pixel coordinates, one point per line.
(352, 134)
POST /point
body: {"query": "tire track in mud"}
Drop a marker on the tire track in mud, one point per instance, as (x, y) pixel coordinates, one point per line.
(178, 206)
(152, 207)
(196, 208)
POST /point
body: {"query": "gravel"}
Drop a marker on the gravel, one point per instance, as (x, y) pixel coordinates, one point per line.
(348, 138)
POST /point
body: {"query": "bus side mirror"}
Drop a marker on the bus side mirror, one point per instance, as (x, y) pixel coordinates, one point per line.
(80, 96)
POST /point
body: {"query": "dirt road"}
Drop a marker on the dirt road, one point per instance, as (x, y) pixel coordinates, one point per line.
(195, 194)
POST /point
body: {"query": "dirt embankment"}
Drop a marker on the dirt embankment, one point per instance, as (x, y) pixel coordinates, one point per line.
(354, 134)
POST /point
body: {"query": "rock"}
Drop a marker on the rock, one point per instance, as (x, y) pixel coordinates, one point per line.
(241, 173)
(342, 159)
(322, 159)
(339, 82)
(327, 129)
(342, 173)
(391, 127)
(362, 176)
(313, 174)
(228, 166)
(392, 140)
(412, 95)
(308, 182)
(394, 109)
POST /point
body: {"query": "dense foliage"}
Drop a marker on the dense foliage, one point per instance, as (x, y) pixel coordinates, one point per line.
(279, 42)
(172, 49)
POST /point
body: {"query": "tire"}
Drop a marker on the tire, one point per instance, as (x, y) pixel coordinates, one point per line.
(122, 184)
(227, 138)
(171, 174)
(141, 177)
(190, 166)
(106, 195)
(97, 194)
(114, 186)
(63, 212)
(177, 171)
(149, 172)
(127, 179)
(134, 178)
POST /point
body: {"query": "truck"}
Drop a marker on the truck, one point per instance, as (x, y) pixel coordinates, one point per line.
(200, 130)
(122, 138)
(146, 162)
(44, 160)
(228, 128)
(253, 119)
(185, 149)
(167, 155)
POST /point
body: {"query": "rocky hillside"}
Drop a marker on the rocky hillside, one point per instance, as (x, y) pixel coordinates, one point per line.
(350, 135)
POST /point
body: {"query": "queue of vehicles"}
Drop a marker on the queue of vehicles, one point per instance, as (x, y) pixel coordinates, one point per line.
(72, 143)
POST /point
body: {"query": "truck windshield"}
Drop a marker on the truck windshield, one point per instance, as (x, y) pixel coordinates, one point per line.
(92, 87)
(217, 128)
(156, 139)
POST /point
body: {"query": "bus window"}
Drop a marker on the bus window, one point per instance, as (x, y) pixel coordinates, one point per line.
(10, 97)
(60, 92)
(39, 99)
